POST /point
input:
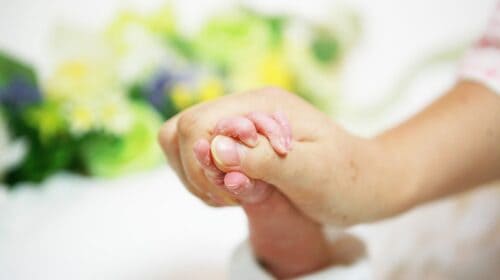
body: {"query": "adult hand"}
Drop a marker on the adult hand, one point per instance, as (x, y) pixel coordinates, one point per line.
(330, 175)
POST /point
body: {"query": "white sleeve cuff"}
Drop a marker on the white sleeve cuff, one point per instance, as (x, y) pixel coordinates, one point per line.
(243, 266)
(482, 65)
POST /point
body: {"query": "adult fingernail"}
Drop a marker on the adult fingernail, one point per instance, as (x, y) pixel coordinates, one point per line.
(225, 151)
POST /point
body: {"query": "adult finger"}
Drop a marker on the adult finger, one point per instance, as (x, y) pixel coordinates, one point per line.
(202, 153)
(169, 142)
(196, 174)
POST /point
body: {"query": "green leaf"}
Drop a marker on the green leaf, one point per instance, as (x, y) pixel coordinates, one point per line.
(326, 49)
(11, 67)
(43, 158)
(107, 155)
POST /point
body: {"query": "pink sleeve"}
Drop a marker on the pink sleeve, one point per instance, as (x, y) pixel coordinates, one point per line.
(482, 62)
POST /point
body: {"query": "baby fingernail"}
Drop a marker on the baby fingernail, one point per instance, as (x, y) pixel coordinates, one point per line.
(200, 150)
(233, 183)
(284, 143)
(253, 141)
(279, 144)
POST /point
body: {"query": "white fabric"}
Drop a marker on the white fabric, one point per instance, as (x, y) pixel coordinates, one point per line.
(482, 62)
(245, 267)
(482, 65)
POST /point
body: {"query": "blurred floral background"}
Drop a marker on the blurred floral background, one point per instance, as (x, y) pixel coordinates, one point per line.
(84, 86)
(98, 110)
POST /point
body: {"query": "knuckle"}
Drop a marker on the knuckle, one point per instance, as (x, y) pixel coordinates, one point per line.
(273, 91)
(187, 124)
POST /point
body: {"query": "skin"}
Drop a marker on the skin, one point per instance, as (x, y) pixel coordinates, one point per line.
(451, 146)
(338, 178)
(330, 176)
(216, 157)
(288, 244)
(268, 211)
(277, 229)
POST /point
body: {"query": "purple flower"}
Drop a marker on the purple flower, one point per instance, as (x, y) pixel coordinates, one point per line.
(19, 93)
(157, 89)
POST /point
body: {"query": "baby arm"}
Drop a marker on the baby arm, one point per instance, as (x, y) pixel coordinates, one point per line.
(286, 242)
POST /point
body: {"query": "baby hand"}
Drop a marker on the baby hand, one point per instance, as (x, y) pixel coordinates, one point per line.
(286, 242)
(218, 158)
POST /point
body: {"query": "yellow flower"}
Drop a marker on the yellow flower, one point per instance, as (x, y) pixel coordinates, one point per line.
(181, 96)
(75, 69)
(161, 21)
(274, 71)
(211, 89)
(82, 119)
(48, 119)
(69, 76)
(90, 96)
(80, 78)
(271, 69)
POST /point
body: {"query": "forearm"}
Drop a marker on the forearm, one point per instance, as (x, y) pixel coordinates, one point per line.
(451, 146)
(286, 243)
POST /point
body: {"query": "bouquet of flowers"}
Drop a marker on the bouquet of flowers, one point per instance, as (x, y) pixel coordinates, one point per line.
(98, 111)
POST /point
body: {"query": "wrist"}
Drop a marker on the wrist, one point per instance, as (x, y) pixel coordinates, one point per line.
(400, 177)
(286, 243)
(379, 182)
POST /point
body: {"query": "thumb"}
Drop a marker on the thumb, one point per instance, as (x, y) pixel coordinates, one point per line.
(260, 162)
